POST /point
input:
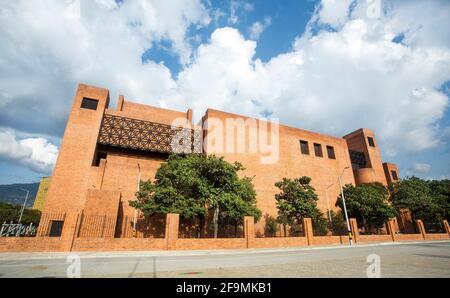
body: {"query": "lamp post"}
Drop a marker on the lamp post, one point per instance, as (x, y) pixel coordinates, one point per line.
(328, 203)
(350, 236)
(136, 211)
(24, 203)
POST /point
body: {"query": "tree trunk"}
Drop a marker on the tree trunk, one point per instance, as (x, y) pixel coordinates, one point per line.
(216, 221)
(284, 228)
(200, 227)
(235, 229)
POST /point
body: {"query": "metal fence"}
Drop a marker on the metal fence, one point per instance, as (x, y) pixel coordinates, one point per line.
(17, 230)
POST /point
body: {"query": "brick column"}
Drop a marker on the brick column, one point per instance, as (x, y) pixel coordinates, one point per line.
(249, 230)
(446, 227)
(354, 229)
(308, 229)
(172, 226)
(390, 225)
(69, 230)
(422, 229)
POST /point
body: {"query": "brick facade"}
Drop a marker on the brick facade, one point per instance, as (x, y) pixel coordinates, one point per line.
(94, 179)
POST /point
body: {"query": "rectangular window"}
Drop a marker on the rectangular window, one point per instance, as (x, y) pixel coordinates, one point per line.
(330, 151)
(304, 147)
(318, 150)
(394, 175)
(56, 227)
(371, 142)
(89, 103)
(358, 159)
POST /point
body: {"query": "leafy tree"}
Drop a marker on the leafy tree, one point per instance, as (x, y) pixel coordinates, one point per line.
(338, 224)
(270, 229)
(10, 213)
(368, 204)
(195, 186)
(416, 195)
(297, 200)
(440, 191)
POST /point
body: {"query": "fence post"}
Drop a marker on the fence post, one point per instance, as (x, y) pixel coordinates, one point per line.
(354, 228)
(422, 228)
(172, 226)
(391, 229)
(446, 226)
(308, 229)
(249, 230)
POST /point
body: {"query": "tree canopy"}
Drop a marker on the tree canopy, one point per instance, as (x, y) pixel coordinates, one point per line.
(10, 213)
(196, 185)
(426, 200)
(368, 203)
(297, 200)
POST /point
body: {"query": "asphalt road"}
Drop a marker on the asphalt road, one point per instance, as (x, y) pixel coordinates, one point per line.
(424, 259)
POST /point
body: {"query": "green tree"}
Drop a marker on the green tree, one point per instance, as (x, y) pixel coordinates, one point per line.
(297, 200)
(195, 186)
(416, 195)
(338, 224)
(270, 228)
(440, 191)
(10, 213)
(368, 203)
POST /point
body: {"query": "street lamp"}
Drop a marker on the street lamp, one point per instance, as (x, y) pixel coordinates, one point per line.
(345, 207)
(24, 203)
(328, 203)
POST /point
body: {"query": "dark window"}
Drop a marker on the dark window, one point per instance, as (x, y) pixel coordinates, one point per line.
(358, 159)
(100, 156)
(56, 227)
(371, 142)
(330, 151)
(318, 150)
(304, 147)
(394, 175)
(89, 103)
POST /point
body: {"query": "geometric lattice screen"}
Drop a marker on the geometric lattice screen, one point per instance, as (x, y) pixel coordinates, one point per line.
(149, 136)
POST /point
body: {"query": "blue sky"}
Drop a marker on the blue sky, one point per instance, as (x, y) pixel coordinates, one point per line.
(327, 66)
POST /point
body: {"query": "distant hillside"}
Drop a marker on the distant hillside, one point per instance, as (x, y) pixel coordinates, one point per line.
(13, 195)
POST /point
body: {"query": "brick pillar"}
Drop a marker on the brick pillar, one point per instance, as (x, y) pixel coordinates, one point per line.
(422, 228)
(354, 229)
(69, 230)
(308, 229)
(446, 227)
(172, 226)
(249, 230)
(390, 225)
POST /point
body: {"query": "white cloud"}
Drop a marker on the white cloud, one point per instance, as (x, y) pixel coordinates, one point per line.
(334, 12)
(331, 82)
(48, 47)
(235, 7)
(257, 28)
(421, 168)
(38, 154)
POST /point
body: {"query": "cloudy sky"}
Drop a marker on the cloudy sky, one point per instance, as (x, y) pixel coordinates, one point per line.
(330, 66)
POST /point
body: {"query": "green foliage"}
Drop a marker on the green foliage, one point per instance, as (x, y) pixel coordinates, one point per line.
(368, 204)
(338, 224)
(10, 213)
(270, 229)
(297, 200)
(426, 200)
(196, 185)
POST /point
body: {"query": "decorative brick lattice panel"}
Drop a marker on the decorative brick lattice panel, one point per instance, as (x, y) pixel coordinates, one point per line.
(149, 136)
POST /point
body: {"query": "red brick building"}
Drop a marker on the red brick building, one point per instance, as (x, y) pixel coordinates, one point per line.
(106, 151)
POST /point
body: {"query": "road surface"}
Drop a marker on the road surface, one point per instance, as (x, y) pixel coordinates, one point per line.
(424, 259)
